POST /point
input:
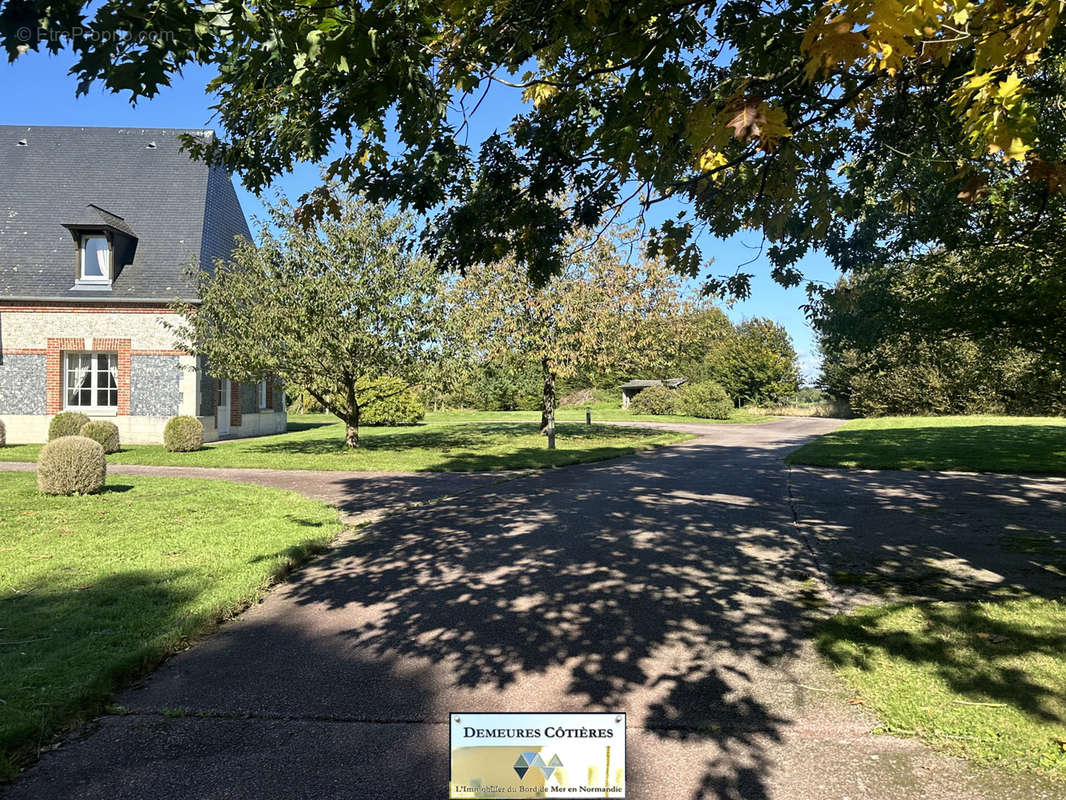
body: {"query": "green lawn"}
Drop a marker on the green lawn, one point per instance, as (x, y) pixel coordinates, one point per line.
(982, 680)
(976, 444)
(443, 443)
(601, 412)
(96, 590)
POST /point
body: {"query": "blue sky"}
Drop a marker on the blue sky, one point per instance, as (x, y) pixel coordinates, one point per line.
(36, 90)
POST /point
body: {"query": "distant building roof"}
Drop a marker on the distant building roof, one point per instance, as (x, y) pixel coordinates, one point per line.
(673, 383)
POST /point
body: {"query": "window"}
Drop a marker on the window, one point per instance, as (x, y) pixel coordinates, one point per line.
(95, 259)
(263, 394)
(92, 380)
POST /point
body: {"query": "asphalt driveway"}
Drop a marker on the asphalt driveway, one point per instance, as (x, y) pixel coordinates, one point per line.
(675, 585)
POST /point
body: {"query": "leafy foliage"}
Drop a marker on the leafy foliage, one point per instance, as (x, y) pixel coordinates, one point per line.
(66, 423)
(183, 435)
(3, 434)
(934, 337)
(858, 126)
(706, 399)
(103, 433)
(71, 465)
(603, 314)
(758, 363)
(389, 401)
(657, 400)
(321, 308)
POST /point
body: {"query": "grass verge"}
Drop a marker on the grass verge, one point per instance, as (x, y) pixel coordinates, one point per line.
(982, 680)
(974, 444)
(316, 441)
(601, 412)
(96, 590)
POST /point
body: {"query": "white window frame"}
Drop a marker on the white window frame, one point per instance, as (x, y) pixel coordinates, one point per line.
(104, 279)
(94, 386)
(263, 389)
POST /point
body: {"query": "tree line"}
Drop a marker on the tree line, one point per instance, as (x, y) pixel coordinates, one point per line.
(351, 312)
(945, 335)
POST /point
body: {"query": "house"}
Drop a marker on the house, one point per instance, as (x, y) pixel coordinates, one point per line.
(633, 388)
(98, 230)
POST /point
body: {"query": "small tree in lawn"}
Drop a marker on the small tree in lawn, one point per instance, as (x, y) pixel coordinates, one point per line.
(601, 313)
(321, 307)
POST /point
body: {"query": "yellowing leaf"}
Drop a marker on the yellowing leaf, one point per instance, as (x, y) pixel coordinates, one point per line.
(710, 160)
(540, 93)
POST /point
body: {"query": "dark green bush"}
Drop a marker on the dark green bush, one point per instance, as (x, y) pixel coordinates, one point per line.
(706, 399)
(654, 400)
(183, 435)
(103, 432)
(71, 465)
(388, 401)
(3, 434)
(67, 423)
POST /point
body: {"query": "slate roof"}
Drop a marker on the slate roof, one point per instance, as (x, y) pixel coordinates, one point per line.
(136, 180)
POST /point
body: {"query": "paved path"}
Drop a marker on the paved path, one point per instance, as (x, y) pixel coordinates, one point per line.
(666, 584)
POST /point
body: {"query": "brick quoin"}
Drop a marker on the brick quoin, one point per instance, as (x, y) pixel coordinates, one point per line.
(54, 371)
(234, 404)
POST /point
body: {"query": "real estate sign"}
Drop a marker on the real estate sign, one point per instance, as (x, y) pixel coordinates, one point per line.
(538, 755)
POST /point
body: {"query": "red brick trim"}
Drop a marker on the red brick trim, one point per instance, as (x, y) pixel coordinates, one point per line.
(235, 404)
(57, 309)
(122, 347)
(53, 371)
(43, 351)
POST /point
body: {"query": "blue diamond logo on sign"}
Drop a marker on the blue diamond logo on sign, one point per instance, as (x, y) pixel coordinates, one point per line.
(545, 755)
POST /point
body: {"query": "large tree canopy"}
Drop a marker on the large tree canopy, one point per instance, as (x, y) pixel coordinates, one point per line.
(602, 313)
(869, 128)
(331, 310)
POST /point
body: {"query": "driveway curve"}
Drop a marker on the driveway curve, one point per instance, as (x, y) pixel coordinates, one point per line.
(674, 585)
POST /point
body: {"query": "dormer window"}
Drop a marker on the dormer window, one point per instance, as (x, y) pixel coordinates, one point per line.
(103, 245)
(95, 259)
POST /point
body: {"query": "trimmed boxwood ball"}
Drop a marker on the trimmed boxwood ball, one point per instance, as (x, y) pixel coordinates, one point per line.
(102, 431)
(706, 399)
(183, 435)
(66, 423)
(656, 400)
(71, 465)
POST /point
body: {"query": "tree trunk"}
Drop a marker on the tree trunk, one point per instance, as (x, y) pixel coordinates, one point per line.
(351, 435)
(351, 422)
(547, 408)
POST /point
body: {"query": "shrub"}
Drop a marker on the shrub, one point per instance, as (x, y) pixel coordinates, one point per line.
(654, 400)
(388, 401)
(183, 435)
(71, 465)
(103, 432)
(706, 399)
(67, 423)
(3, 434)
